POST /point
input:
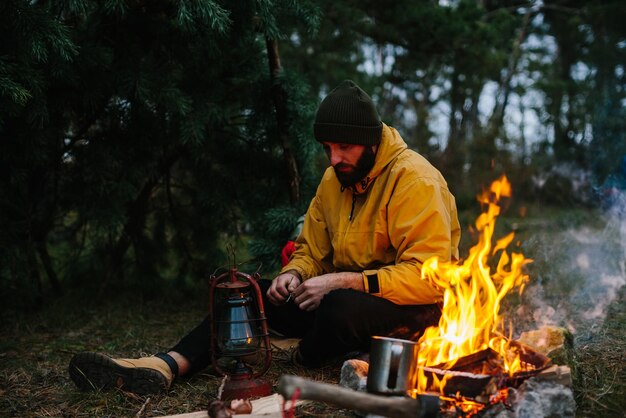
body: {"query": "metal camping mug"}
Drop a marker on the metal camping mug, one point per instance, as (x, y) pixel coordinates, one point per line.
(391, 365)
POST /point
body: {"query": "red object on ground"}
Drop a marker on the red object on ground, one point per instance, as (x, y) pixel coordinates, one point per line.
(289, 413)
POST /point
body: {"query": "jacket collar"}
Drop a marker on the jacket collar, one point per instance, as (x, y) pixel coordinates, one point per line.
(391, 145)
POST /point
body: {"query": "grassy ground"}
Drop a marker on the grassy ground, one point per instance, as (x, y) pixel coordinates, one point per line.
(579, 260)
(600, 366)
(35, 350)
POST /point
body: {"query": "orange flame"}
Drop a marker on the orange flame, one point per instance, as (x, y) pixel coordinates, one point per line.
(472, 293)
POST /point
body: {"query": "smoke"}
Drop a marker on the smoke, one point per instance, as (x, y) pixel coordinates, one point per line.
(604, 269)
(579, 268)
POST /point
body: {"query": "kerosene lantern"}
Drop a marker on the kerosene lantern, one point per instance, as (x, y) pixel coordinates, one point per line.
(239, 334)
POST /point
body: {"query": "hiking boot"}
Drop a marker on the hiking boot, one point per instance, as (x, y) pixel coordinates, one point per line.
(295, 356)
(143, 376)
(297, 359)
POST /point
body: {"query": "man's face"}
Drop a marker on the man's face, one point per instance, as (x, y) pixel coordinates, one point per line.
(350, 162)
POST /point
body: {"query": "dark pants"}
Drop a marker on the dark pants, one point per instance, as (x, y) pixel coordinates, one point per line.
(344, 322)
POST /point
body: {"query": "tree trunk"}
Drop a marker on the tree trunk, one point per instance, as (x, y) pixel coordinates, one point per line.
(422, 130)
(504, 89)
(133, 225)
(137, 214)
(279, 96)
(454, 154)
(484, 149)
(46, 260)
(33, 273)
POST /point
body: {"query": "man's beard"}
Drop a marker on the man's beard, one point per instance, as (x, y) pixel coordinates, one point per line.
(363, 166)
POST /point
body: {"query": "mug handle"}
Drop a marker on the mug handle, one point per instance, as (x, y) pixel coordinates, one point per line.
(394, 365)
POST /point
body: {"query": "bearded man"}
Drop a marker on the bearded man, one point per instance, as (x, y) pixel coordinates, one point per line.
(380, 211)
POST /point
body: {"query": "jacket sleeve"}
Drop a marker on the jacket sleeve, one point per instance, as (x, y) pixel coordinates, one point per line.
(313, 254)
(422, 223)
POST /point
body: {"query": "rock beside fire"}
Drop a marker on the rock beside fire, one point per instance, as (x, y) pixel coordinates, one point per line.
(553, 342)
(354, 375)
(536, 398)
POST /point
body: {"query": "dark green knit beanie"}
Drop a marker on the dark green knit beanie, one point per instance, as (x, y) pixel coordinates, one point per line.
(348, 115)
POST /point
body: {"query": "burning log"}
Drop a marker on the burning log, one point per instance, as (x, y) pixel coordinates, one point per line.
(394, 407)
(481, 375)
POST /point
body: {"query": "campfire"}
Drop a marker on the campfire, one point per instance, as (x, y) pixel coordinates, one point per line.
(470, 358)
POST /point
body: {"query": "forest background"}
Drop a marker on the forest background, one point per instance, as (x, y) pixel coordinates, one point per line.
(146, 144)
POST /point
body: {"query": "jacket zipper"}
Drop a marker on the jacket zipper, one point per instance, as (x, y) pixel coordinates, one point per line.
(352, 209)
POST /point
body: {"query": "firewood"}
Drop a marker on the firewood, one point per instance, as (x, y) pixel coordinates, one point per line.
(553, 342)
(393, 407)
(557, 374)
(266, 407)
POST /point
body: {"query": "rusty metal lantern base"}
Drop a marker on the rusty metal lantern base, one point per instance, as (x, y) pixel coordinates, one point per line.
(244, 387)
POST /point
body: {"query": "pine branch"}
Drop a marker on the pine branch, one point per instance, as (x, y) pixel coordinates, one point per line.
(195, 14)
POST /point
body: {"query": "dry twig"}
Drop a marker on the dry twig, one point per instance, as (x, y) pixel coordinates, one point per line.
(142, 410)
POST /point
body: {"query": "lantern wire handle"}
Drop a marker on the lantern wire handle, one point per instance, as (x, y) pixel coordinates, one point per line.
(214, 274)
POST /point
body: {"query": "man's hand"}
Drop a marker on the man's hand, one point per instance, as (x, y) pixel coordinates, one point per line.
(282, 286)
(310, 293)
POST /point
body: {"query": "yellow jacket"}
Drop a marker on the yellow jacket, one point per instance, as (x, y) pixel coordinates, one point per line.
(386, 226)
